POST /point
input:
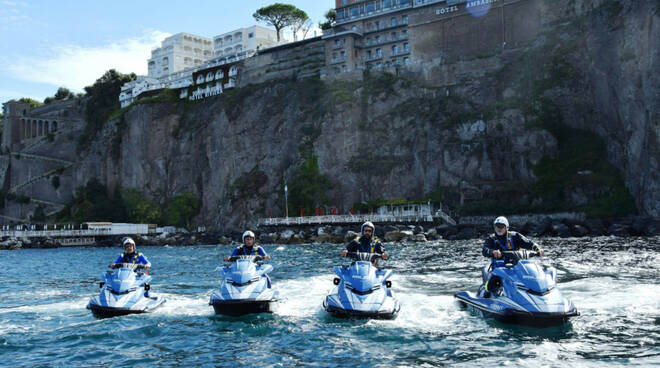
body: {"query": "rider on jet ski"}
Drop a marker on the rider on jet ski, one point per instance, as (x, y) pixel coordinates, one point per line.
(366, 243)
(248, 248)
(131, 256)
(504, 240)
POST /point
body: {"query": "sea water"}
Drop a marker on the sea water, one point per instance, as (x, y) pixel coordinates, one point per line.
(612, 281)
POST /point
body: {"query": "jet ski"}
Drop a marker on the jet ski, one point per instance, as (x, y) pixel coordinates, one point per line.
(245, 288)
(521, 291)
(122, 292)
(362, 291)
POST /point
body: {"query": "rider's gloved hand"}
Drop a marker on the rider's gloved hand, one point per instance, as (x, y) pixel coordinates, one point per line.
(267, 257)
(497, 254)
(343, 253)
(385, 256)
(112, 265)
(227, 258)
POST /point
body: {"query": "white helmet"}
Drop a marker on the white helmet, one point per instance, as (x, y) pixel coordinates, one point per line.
(246, 234)
(368, 224)
(501, 220)
(128, 240)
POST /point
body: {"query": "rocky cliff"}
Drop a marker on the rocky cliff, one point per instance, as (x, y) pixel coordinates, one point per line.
(567, 121)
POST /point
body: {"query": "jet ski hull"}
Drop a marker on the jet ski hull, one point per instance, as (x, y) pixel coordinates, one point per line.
(506, 314)
(100, 311)
(358, 314)
(237, 308)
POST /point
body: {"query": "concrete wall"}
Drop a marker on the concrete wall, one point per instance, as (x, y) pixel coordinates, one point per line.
(303, 59)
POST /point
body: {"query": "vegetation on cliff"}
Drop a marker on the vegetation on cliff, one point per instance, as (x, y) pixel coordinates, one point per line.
(102, 101)
(93, 203)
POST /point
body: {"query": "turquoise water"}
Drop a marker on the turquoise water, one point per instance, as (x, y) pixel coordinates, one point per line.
(44, 323)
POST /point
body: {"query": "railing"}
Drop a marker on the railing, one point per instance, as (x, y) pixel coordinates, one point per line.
(341, 219)
(66, 233)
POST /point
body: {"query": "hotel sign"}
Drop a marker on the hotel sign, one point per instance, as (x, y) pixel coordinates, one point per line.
(468, 5)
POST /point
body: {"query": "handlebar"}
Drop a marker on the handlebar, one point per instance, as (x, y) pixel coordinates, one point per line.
(363, 256)
(132, 266)
(252, 258)
(511, 257)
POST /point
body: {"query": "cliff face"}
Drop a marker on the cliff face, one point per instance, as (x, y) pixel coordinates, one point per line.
(498, 130)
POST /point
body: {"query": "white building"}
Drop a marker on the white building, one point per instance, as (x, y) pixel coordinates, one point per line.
(179, 52)
(131, 90)
(241, 43)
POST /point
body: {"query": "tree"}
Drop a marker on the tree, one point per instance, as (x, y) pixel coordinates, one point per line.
(330, 19)
(102, 100)
(138, 209)
(278, 15)
(182, 209)
(33, 103)
(61, 94)
(308, 186)
(300, 19)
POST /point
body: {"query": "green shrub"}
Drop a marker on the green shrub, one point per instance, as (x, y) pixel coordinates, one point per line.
(181, 210)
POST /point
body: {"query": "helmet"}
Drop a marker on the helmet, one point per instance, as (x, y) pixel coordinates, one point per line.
(367, 224)
(128, 240)
(248, 233)
(501, 220)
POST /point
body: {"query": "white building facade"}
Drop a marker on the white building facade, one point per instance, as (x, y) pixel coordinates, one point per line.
(180, 56)
(242, 43)
(178, 52)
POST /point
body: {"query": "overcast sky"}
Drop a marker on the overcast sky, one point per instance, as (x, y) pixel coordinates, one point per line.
(48, 44)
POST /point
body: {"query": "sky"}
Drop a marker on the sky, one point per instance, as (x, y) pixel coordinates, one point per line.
(48, 44)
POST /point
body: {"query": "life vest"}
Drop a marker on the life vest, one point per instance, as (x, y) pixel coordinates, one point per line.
(509, 243)
(135, 257)
(242, 250)
(374, 242)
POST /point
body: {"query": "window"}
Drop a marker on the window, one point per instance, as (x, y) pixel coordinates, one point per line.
(377, 39)
(404, 2)
(362, 9)
(377, 23)
(393, 21)
(368, 41)
(387, 4)
(251, 35)
(378, 5)
(337, 43)
(379, 53)
(343, 55)
(394, 50)
(406, 61)
(368, 54)
(354, 12)
(406, 47)
(370, 8)
(404, 19)
(393, 36)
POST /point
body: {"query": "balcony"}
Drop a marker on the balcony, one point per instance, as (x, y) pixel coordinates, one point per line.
(345, 14)
(338, 60)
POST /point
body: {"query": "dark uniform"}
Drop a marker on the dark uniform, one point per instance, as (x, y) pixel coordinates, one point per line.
(509, 241)
(366, 245)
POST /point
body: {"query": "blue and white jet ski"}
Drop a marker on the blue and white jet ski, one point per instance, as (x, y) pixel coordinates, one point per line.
(122, 292)
(363, 290)
(245, 288)
(521, 291)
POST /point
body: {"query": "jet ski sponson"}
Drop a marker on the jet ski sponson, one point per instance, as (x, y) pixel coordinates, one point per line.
(245, 288)
(520, 291)
(123, 292)
(362, 291)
